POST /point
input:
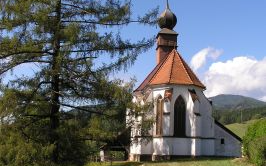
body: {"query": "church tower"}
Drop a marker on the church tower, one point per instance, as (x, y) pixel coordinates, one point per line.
(183, 125)
(166, 38)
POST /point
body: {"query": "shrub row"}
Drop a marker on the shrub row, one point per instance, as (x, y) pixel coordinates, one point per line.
(255, 143)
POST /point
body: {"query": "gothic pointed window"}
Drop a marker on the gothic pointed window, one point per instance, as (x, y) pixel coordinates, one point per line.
(180, 117)
(159, 115)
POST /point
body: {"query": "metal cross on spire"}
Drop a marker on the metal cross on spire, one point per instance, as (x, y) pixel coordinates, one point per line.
(167, 4)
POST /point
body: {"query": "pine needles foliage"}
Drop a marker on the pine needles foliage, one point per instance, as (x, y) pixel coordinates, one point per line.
(69, 105)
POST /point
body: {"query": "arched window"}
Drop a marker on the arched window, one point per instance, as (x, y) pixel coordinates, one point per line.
(159, 116)
(180, 117)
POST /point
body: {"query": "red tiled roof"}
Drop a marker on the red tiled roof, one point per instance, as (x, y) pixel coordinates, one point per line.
(172, 70)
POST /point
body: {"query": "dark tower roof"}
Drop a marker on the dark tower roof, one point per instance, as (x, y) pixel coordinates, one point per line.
(167, 19)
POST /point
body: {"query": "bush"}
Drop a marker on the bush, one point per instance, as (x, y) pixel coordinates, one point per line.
(14, 151)
(255, 142)
(257, 151)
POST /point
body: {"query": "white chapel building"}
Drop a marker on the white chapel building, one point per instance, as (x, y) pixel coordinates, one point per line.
(184, 125)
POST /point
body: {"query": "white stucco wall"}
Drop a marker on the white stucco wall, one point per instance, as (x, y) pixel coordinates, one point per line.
(196, 147)
(166, 125)
(147, 147)
(207, 121)
(207, 147)
(231, 146)
(135, 147)
(176, 146)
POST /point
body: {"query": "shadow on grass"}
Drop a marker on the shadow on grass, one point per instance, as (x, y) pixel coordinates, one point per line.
(189, 159)
(125, 163)
(128, 164)
(181, 160)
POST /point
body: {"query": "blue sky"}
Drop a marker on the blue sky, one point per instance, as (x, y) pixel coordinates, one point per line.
(224, 41)
(228, 37)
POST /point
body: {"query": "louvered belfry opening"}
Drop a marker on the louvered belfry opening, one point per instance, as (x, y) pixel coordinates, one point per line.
(180, 117)
(159, 116)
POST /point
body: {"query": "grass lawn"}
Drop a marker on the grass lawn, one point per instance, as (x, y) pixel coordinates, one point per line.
(183, 162)
(122, 163)
(240, 128)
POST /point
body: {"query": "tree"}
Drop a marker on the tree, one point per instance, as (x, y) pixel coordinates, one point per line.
(67, 40)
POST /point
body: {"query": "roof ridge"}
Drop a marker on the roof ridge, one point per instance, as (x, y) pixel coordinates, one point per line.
(182, 63)
(163, 62)
(228, 131)
(171, 70)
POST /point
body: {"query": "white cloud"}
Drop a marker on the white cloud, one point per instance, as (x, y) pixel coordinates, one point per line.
(241, 75)
(200, 58)
(263, 98)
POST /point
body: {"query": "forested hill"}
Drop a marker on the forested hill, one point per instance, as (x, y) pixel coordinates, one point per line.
(235, 102)
(229, 109)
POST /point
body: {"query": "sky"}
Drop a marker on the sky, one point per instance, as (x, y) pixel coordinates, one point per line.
(223, 41)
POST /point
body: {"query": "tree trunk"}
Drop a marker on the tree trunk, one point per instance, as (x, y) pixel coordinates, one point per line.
(54, 118)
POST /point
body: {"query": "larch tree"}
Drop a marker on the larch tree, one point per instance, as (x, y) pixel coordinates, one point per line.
(74, 48)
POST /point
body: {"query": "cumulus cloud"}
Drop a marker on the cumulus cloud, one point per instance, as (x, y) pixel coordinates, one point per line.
(200, 58)
(263, 98)
(241, 75)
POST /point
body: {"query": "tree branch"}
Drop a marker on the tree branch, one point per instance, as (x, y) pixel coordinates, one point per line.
(3, 56)
(83, 109)
(102, 23)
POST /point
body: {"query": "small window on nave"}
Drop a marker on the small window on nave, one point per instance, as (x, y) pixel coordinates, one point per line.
(222, 141)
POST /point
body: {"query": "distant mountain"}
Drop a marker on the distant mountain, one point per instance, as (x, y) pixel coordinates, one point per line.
(235, 102)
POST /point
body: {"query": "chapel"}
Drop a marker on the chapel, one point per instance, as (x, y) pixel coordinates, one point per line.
(184, 125)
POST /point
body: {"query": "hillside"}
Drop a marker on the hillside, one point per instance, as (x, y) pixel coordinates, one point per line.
(238, 116)
(240, 128)
(235, 102)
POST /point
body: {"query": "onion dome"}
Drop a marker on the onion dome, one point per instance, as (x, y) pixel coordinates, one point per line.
(167, 19)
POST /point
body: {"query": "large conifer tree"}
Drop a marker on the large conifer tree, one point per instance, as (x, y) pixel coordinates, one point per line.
(66, 40)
